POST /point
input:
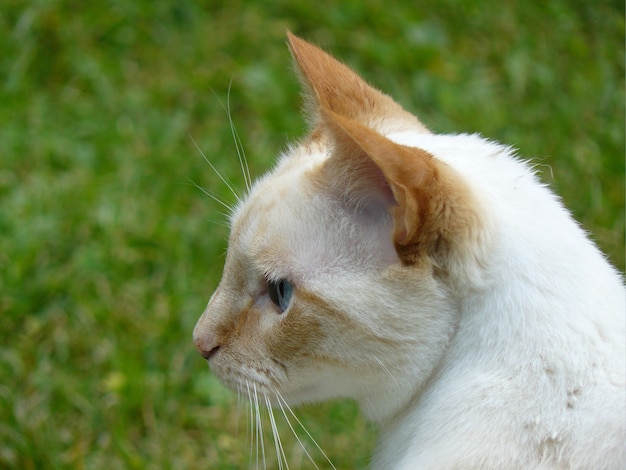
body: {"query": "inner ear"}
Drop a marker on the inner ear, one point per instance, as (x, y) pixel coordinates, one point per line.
(429, 202)
(355, 179)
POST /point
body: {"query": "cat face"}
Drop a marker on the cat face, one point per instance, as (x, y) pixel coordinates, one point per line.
(337, 277)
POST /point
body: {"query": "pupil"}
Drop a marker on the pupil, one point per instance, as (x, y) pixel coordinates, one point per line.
(280, 293)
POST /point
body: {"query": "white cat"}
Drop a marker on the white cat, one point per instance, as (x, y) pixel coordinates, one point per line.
(431, 278)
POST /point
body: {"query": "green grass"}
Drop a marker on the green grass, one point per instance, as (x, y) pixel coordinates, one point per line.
(108, 253)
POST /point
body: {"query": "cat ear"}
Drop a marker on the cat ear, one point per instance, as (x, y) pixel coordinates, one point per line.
(331, 85)
(431, 206)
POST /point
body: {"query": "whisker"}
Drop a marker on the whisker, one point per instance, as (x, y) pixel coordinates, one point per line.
(239, 406)
(281, 399)
(243, 161)
(280, 451)
(219, 222)
(224, 222)
(250, 427)
(293, 431)
(211, 195)
(259, 426)
(221, 177)
(241, 155)
(385, 369)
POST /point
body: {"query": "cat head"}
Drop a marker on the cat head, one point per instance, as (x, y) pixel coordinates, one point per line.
(340, 261)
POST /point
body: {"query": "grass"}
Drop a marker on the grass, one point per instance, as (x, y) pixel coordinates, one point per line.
(108, 253)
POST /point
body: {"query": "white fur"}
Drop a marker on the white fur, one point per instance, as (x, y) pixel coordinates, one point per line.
(512, 357)
(539, 351)
(517, 362)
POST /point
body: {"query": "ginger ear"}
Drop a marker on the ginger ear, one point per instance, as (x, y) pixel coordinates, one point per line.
(431, 206)
(331, 85)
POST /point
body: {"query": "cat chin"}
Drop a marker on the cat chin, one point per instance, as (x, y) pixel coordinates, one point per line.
(254, 385)
(275, 385)
(247, 380)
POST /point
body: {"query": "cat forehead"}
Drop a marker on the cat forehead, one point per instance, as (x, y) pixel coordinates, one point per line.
(279, 186)
(279, 217)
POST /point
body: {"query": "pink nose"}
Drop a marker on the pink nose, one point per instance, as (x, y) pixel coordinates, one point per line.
(207, 346)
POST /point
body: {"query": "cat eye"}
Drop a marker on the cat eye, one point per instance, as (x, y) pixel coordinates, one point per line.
(280, 292)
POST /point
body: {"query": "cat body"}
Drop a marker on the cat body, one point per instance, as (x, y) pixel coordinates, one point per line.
(431, 278)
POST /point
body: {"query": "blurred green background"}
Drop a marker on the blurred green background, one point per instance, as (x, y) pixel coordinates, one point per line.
(109, 253)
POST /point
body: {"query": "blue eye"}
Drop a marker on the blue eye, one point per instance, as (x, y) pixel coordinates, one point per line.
(280, 293)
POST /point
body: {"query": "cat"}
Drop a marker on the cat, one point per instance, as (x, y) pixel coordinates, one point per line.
(431, 278)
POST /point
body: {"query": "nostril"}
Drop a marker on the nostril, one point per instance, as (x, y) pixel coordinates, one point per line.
(207, 345)
(208, 354)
